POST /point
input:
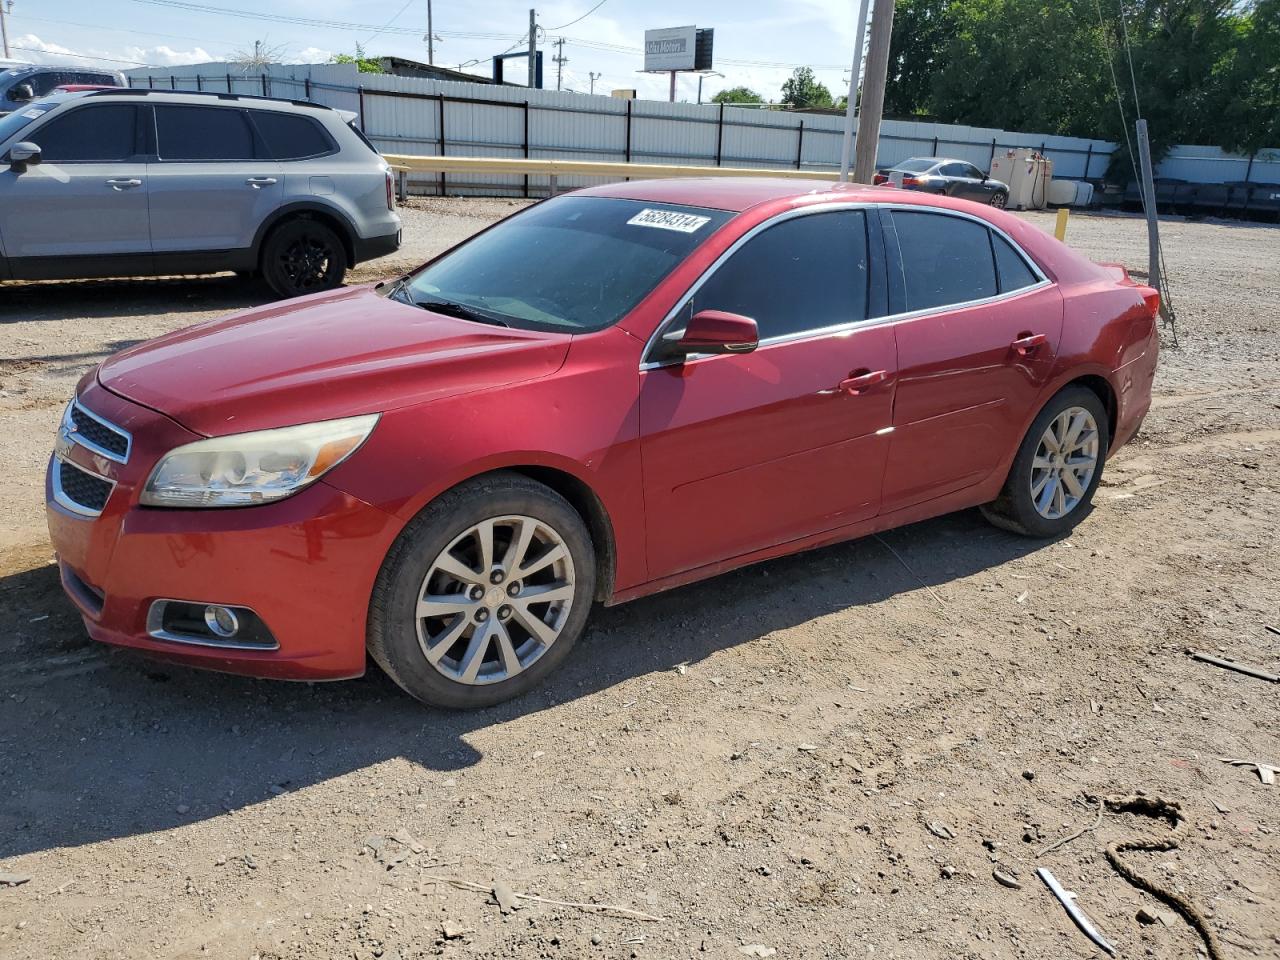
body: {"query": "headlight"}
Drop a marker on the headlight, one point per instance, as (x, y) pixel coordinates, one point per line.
(250, 468)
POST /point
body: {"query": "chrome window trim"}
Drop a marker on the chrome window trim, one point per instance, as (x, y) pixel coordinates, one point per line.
(69, 428)
(852, 325)
(61, 497)
(155, 617)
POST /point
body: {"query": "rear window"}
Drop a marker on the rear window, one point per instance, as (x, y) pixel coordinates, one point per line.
(945, 260)
(1013, 270)
(572, 264)
(914, 166)
(203, 133)
(292, 137)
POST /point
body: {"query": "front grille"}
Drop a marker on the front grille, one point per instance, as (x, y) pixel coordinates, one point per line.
(83, 489)
(99, 434)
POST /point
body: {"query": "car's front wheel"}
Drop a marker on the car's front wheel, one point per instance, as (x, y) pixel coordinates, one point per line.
(483, 594)
(1057, 467)
(303, 256)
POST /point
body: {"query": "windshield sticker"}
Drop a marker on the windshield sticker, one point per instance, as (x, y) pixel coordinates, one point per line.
(33, 113)
(669, 220)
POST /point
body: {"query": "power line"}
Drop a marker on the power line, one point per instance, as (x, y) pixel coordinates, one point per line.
(144, 33)
(82, 56)
(387, 25)
(581, 18)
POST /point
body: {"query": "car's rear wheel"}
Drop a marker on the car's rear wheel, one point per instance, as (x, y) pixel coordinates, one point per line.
(483, 594)
(303, 256)
(1057, 468)
(999, 200)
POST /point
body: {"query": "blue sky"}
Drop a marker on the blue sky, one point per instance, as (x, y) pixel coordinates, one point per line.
(753, 34)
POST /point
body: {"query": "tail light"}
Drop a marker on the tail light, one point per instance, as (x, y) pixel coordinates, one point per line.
(878, 179)
(1152, 298)
(910, 181)
(391, 191)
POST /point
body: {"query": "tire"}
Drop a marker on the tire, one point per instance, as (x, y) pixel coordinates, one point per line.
(445, 534)
(1030, 503)
(999, 200)
(303, 256)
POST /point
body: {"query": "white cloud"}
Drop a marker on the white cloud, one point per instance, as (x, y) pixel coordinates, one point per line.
(311, 55)
(31, 47)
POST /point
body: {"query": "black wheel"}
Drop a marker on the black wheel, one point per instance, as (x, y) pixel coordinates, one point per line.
(1057, 468)
(303, 256)
(483, 594)
(999, 200)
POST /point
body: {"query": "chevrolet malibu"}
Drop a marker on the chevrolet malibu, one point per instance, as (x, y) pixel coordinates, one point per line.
(608, 394)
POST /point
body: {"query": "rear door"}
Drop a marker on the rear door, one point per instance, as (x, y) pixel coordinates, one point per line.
(211, 184)
(742, 452)
(976, 345)
(88, 196)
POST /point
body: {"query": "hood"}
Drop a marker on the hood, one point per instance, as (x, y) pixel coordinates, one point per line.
(335, 354)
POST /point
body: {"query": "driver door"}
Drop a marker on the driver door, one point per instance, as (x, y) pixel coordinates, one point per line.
(745, 451)
(87, 196)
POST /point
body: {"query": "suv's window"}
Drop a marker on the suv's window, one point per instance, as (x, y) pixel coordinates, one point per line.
(802, 274)
(104, 79)
(944, 259)
(203, 133)
(45, 81)
(291, 137)
(1014, 272)
(97, 133)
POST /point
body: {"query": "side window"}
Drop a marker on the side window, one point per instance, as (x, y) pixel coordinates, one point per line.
(1014, 272)
(44, 82)
(802, 274)
(945, 259)
(291, 137)
(99, 133)
(954, 170)
(972, 171)
(203, 133)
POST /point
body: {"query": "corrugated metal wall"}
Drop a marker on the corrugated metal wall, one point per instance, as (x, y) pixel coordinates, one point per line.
(412, 115)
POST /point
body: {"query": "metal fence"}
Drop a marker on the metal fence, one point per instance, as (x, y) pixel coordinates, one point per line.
(410, 115)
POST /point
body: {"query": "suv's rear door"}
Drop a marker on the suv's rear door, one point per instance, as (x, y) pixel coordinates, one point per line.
(210, 186)
(87, 196)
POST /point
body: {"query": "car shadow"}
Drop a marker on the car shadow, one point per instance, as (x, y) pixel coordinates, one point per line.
(98, 744)
(73, 300)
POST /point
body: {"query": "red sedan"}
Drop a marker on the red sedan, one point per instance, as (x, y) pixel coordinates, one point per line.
(606, 395)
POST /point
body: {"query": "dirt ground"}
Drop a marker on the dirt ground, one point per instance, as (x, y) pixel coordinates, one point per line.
(822, 756)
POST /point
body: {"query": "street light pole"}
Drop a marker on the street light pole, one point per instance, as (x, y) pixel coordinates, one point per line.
(702, 76)
(4, 24)
(431, 38)
(594, 77)
(851, 107)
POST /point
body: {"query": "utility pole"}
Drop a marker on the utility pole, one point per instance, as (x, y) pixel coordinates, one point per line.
(560, 60)
(533, 48)
(1153, 221)
(4, 23)
(851, 108)
(594, 77)
(873, 84)
(431, 38)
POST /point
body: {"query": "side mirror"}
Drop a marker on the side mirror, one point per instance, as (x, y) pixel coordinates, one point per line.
(714, 331)
(22, 155)
(22, 93)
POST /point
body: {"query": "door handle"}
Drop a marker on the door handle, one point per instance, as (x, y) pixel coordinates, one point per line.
(259, 182)
(860, 382)
(119, 185)
(1029, 342)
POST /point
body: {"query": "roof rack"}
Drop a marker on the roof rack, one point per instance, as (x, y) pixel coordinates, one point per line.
(214, 94)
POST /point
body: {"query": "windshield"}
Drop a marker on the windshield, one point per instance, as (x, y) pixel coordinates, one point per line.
(22, 115)
(573, 264)
(916, 165)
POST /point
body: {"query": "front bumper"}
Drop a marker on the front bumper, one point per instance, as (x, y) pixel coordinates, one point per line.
(305, 565)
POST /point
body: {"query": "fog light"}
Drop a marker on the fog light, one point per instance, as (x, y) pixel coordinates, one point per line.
(221, 621)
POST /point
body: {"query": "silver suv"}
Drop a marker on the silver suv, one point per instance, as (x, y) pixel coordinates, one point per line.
(145, 183)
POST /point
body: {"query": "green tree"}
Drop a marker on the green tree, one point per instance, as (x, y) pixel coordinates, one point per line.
(737, 95)
(921, 29)
(363, 63)
(802, 89)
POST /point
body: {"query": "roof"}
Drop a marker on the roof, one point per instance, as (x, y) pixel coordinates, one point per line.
(730, 193)
(197, 95)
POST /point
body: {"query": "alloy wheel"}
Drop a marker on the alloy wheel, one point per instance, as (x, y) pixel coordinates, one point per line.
(1065, 462)
(495, 600)
(998, 200)
(306, 263)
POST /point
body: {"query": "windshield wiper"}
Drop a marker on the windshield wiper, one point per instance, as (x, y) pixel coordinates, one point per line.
(461, 311)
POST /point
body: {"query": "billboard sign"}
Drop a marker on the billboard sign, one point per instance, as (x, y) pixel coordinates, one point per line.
(672, 48)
